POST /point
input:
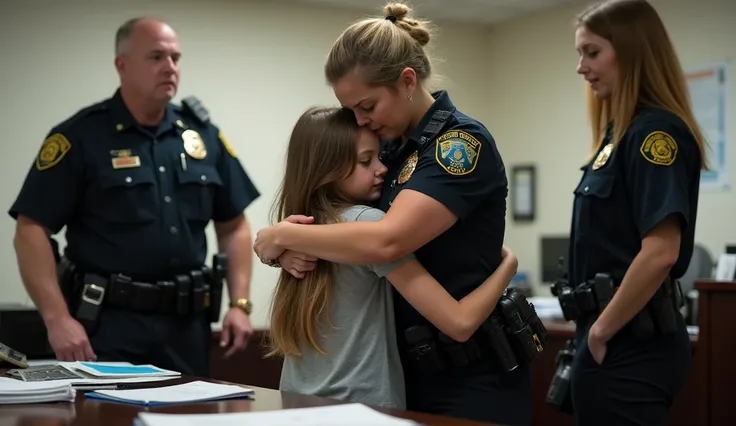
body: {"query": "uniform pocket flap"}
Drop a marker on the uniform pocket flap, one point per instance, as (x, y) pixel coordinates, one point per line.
(596, 185)
(126, 177)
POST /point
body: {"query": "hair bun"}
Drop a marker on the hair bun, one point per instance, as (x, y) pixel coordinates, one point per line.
(417, 29)
(399, 10)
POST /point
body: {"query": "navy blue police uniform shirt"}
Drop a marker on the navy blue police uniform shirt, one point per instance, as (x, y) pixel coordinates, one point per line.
(460, 167)
(134, 200)
(627, 189)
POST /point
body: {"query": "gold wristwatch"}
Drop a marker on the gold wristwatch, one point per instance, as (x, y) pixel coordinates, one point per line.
(243, 304)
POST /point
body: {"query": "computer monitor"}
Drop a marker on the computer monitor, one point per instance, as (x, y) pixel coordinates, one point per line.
(552, 249)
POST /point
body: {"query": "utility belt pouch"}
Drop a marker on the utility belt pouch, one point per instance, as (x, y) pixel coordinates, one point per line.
(183, 285)
(566, 298)
(65, 274)
(460, 355)
(499, 343)
(422, 350)
(198, 291)
(525, 342)
(90, 300)
(662, 308)
(559, 393)
(219, 275)
(602, 290)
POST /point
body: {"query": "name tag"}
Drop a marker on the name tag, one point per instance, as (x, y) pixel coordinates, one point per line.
(126, 162)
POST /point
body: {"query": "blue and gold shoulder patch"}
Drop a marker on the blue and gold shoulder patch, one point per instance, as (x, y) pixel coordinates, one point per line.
(457, 152)
(52, 151)
(227, 145)
(659, 148)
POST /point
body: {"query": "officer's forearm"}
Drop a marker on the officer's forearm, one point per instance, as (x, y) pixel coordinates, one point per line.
(646, 273)
(38, 270)
(234, 238)
(353, 243)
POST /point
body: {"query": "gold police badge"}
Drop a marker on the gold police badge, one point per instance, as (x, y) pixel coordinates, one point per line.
(408, 167)
(194, 145)
(659, 148)
(603, 157)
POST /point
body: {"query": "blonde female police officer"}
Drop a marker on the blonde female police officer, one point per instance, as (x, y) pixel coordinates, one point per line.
(634, 218)
(445, 197)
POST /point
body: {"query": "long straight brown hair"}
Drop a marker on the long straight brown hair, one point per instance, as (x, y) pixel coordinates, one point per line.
(322, 151)
(650, 74)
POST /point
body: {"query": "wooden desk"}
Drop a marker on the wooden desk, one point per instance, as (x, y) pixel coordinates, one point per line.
(90, 412)
(716, 369)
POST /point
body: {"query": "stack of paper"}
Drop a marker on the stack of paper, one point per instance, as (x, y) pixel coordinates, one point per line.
(92, 375)
(14, 391)
(186, 393)
(333, 415)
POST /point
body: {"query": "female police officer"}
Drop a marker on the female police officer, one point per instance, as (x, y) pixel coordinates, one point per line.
(446, 188)
(633, 219)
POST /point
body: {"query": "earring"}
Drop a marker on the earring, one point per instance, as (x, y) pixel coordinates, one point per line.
(408, 97)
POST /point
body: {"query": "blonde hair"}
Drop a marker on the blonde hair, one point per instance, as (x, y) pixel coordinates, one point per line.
(321, 152)
(381, 48)
(650, 74)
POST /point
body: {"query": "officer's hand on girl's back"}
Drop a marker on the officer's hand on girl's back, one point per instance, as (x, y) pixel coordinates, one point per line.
(69, 340)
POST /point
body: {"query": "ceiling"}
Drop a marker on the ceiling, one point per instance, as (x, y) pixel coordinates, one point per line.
(472, 11)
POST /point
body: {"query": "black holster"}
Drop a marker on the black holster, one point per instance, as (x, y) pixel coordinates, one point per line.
(559, 393)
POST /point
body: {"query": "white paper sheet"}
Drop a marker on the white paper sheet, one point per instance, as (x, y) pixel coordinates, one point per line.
(196, 391)
(333, 415)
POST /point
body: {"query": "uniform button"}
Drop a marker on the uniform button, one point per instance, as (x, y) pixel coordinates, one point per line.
(173, 230)
(129, 179)
(586, 188)
(167, 199)
(162, 169)
(203, 177)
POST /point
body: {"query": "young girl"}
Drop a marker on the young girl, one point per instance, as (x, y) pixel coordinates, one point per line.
(335, 327)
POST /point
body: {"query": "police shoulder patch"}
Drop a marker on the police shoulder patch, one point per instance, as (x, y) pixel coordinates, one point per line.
(457, 152)
(53, 150)
(659, 148)
(227, 145)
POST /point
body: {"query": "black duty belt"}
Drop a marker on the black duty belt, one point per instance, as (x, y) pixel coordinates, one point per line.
(511, 336)
(186, 294)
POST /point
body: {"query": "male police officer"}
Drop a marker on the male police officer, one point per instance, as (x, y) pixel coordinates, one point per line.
(136, 179)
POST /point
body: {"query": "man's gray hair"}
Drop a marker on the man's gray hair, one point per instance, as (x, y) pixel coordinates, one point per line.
(122, 36)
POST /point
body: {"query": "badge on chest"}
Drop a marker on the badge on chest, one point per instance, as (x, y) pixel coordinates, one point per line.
(194, 145)
(124, 159)
(408, 168)
(603, 157)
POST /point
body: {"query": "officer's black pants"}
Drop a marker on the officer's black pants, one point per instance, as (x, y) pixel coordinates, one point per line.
(481, 393)
(636, 382)
(167, 341)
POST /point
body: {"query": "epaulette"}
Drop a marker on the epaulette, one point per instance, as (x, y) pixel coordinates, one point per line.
(193, 106)
(82, 114)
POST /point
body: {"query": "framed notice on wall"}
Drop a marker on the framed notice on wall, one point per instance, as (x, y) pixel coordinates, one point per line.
(523, 193)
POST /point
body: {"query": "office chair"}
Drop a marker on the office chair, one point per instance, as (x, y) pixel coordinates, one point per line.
(701, 267)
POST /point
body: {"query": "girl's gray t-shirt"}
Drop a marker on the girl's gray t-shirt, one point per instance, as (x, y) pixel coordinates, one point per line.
(362, 362)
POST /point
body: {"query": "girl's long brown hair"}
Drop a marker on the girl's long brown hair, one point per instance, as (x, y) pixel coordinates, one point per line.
(650, 74)
(321, 152)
